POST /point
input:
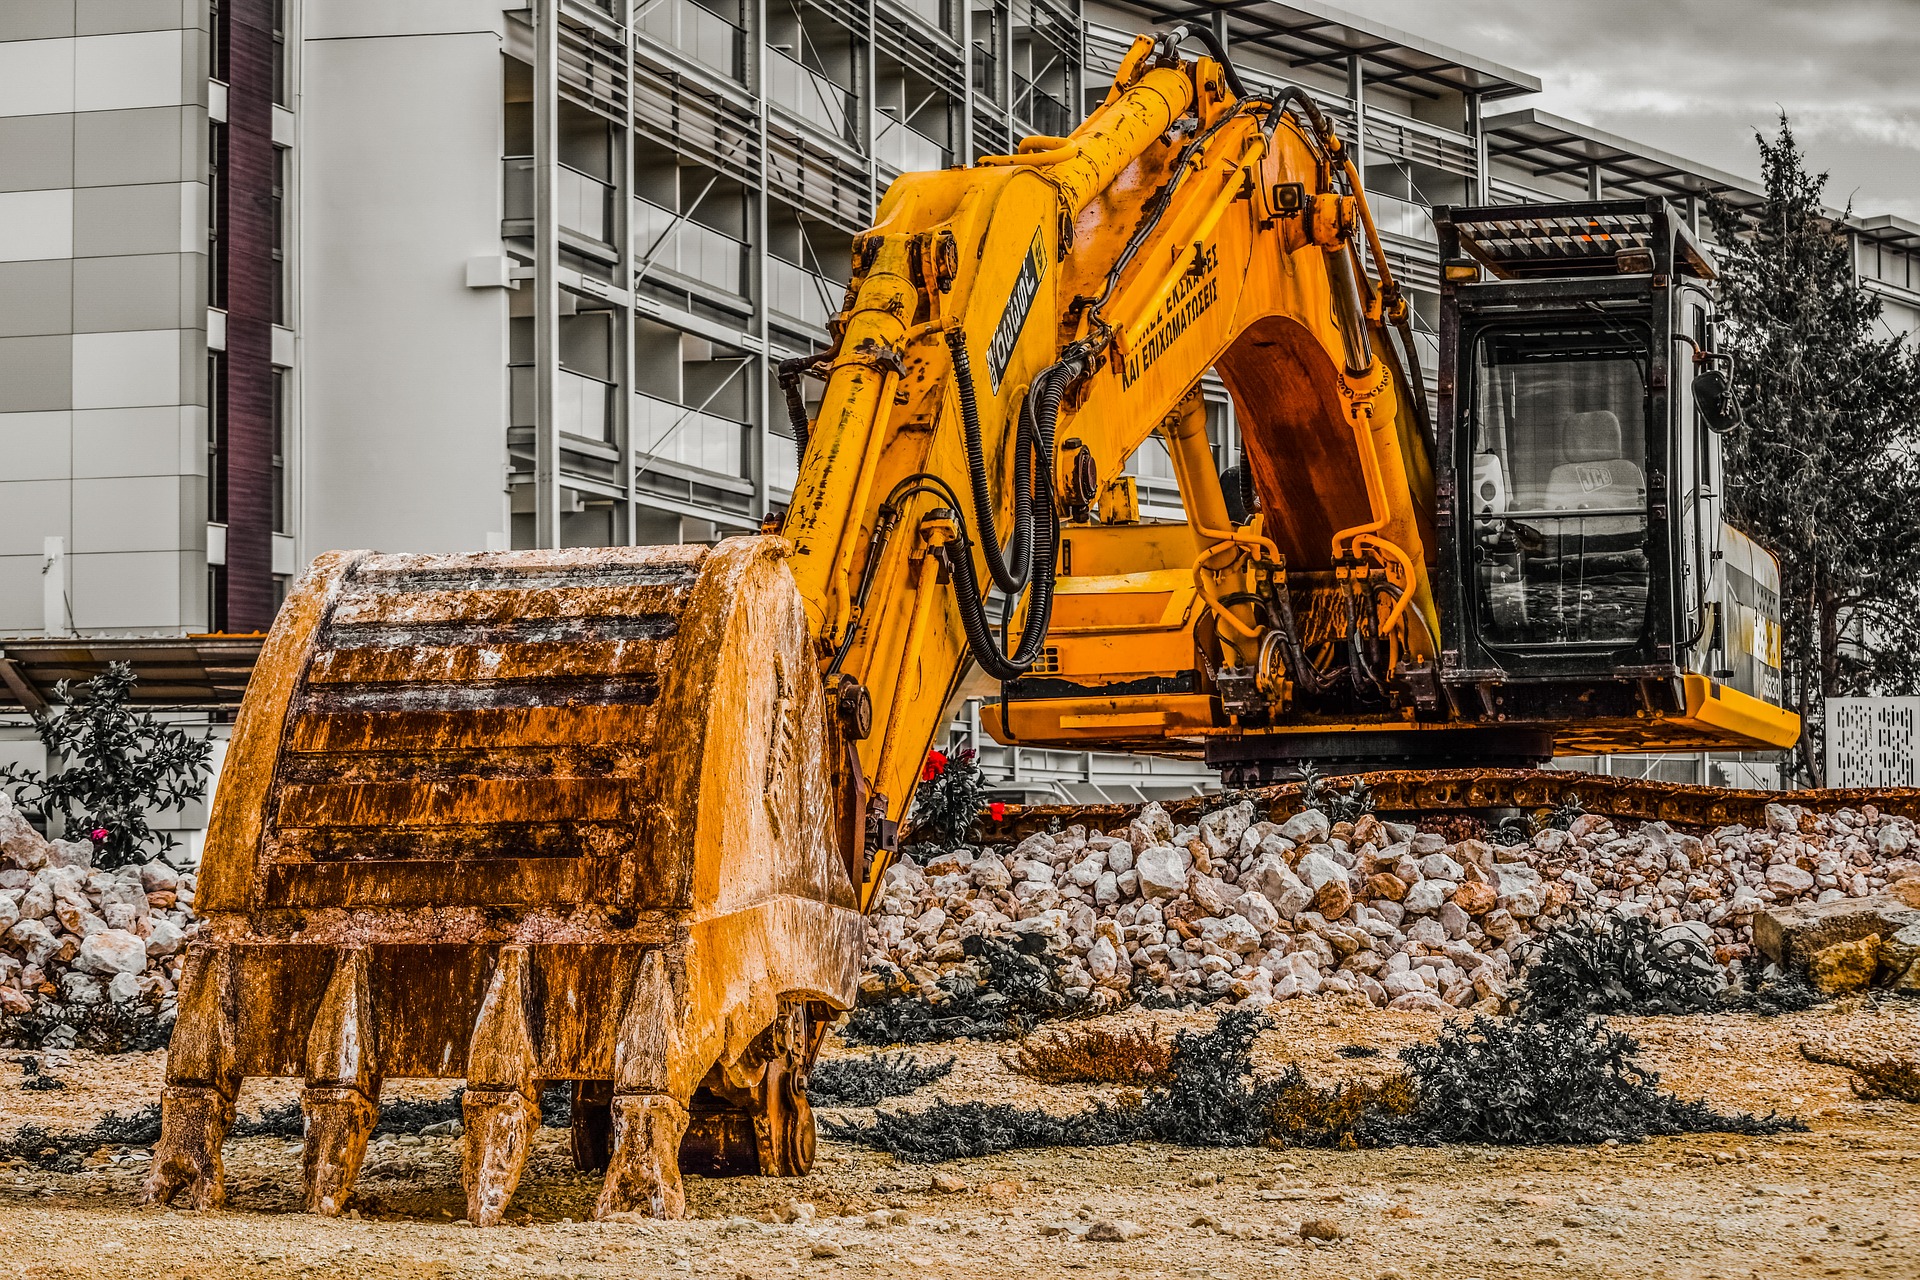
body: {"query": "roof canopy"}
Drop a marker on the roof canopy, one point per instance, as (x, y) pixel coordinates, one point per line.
(173, 671)
(1545, 144)
(1895, 233)
(1305, 34)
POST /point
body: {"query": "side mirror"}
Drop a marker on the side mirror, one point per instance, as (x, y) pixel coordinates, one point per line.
(1713, 395)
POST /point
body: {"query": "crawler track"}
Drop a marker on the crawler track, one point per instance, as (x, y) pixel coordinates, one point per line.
(1443, 791)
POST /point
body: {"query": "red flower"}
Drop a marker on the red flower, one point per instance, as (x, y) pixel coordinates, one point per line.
(936, 765)
(997, 811)
(99, 833)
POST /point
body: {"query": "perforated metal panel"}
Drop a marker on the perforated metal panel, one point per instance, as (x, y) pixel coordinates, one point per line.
(1873, 742)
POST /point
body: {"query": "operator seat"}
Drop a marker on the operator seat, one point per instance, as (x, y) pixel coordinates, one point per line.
(1597, 474)
(1587, 578)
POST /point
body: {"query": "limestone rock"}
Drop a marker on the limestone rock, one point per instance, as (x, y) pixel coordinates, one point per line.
(1317, 869)
(70, 853)
(1274, 880)
(1428, 895)
(1786, 876)
(1162, 870)
(1150, 826)
(111, 951)
(1213, 896)
(991, 873)
(1386, 885)
(1258, 910)
(1306, 827)
(1474, 898)
(1845, 966)
(1333, 899)
(1790, 936)
(1115, 1230)
(20, 845)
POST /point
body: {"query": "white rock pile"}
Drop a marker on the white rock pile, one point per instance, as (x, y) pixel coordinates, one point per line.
(72, 933)
(1253, 911)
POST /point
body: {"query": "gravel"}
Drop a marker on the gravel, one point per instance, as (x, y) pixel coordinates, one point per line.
(74, 938)
(1240, 910)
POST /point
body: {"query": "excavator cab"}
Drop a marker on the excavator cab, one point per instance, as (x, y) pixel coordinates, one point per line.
(1583, 567)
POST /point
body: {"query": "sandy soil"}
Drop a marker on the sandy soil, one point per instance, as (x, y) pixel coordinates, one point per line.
(1837, 1201)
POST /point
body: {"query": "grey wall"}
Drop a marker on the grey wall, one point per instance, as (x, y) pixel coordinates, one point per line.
(404, 367)
(103, 212)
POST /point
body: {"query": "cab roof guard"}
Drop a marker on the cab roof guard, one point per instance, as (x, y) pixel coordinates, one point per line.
(1593, 237)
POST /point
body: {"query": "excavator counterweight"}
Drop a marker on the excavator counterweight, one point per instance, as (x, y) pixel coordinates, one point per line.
(611, 817)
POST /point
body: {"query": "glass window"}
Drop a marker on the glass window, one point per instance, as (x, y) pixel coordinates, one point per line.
(282, 404)
(280, 52)
(217, 437)
(279, 216)
(216, 215)
(1558, 498)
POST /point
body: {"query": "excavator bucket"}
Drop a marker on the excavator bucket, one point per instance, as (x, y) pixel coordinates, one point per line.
(522, 819)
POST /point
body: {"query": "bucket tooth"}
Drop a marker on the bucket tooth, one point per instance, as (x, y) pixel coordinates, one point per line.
(341, 1098)
(592, 1124)
(501, 1109)
(196, 1105)
(643, 1175)
(643, 1171)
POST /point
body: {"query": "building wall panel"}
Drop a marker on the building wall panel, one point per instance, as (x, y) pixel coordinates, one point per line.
(405, 407)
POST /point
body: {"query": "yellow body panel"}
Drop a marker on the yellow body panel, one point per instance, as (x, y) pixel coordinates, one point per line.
(1126, 723)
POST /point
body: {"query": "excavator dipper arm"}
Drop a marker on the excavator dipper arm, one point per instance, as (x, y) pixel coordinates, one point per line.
(1016, 330)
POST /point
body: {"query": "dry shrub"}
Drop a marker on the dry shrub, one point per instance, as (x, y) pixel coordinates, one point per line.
(1003, 991)
(1624, 965)
(1096, 1055)
(1897, 1078)
(1874, 1079)
(1301, 1115)
(1516, 1083)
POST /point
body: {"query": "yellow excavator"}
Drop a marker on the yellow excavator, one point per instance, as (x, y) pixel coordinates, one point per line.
(610, 818)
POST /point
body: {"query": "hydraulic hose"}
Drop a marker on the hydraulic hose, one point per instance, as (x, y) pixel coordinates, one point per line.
(1305, 674)
(790, 375)
(1206, 36)
(1012, 569)
(1044, 395)
(796, 413)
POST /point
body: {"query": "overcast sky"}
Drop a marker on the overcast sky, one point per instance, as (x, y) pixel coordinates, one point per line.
(1697, 77)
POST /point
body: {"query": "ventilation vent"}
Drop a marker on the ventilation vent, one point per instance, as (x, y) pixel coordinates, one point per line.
(1871, 742)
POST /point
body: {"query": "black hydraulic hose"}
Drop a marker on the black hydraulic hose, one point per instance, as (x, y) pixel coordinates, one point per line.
(998, 664)
(796, 413)
(1357, 663)
(1010, 571)
(790, 374)
(1304, 672)
(1206, 36)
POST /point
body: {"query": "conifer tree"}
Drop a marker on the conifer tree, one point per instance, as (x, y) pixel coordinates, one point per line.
(1825, 471)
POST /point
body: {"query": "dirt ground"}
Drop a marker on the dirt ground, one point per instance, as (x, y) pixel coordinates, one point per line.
(1837, 1201)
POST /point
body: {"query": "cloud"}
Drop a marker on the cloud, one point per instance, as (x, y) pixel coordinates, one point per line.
(1698, 79)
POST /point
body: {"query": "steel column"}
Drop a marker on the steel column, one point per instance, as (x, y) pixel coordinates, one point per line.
(546, 273)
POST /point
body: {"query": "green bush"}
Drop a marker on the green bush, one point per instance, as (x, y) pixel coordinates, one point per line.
(118, 765)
